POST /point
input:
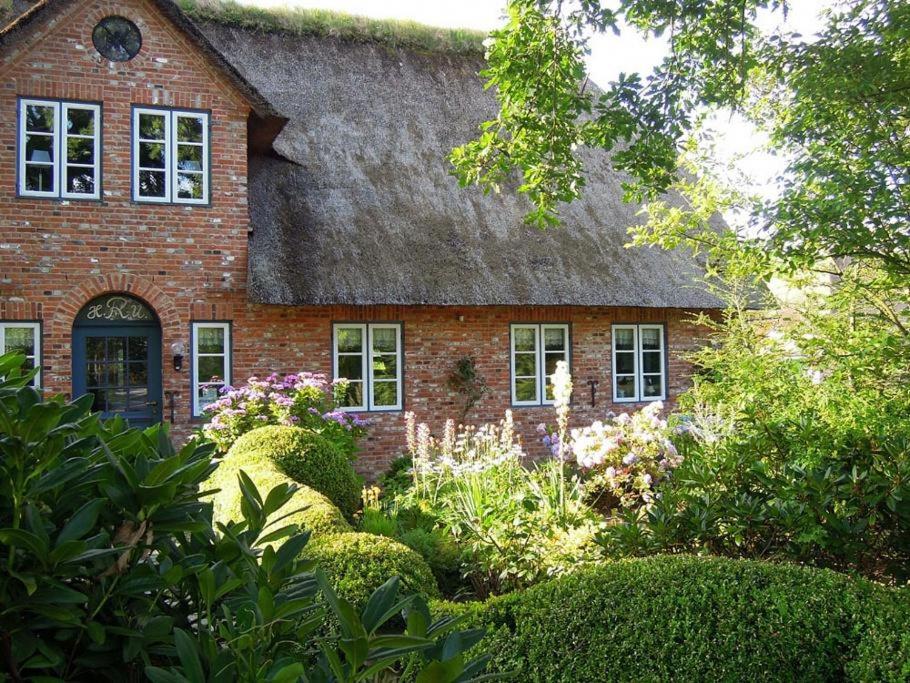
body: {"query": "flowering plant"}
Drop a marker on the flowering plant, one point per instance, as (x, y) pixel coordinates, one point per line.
(304, 400)
(627, 456)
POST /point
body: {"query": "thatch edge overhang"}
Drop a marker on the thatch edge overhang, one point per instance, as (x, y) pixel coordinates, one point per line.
(41, 11)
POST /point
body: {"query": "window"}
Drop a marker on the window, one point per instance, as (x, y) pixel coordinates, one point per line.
(211, 362)
(170, 156)
(59, 149)
(535, 351)
(368, 356)
(23, 338)
(639, 365)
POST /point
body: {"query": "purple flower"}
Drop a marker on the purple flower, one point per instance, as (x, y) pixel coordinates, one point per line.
(630, 459)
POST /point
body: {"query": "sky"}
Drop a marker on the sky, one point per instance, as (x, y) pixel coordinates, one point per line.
(738, 142)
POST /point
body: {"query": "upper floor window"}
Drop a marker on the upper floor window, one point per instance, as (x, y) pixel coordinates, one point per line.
(59, 149)
(368, 356)
(535, 350)
(170, 156)
(23, 338)
(639, 363)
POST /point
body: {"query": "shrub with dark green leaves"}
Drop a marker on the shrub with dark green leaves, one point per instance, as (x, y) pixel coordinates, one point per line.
(358, 563)
(688, 618)
(883, 653)
(307, 458)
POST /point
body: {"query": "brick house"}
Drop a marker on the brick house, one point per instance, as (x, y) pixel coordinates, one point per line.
(186, 203)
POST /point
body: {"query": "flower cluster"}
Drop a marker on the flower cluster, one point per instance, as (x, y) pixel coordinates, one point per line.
(627, 456)
(305, 399)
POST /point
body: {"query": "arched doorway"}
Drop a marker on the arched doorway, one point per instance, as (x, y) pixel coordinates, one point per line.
(117, 358)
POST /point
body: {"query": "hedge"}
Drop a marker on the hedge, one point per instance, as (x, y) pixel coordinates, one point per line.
(307, 458)
(358, 563)
(688, 618)
(315, 511)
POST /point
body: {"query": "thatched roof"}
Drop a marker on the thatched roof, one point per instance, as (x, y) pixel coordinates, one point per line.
(362, 208)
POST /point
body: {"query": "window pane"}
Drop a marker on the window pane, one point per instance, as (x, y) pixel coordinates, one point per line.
(525, 365)
(625, 363)
(100, 399)
(385, 367)
(138, 348)
(39, 117)
(551, 360)
(151, 155)
(94, 348)
(554, 339)
(526, 389)
(20, 340)
(39, 178)
(653, 385)
(80, 180)
(115, 376)
(189, 129)
(350, 339)
(138, 397)
(208, 394)
(210, 339)
(80, 121)
(39, 148)
(353, 396)
(385, 394)
(211, 369)
(650, 338)
(650, 361)
(189, 158)
(116, 400)
(116, 348)
(624, 339)
(94, 375)
(189, 185)
(151, 183)
(80, 150)
(151, 126)
(524, 339)
(384, 340)
(350, 367)
(138, 373)
(625, 387)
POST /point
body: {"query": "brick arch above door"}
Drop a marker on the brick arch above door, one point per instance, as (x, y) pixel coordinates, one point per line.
(61, 322)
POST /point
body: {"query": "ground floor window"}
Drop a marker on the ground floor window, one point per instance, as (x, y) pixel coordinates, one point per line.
(23, 338)
(369, 357)
(211, 370)
(639, 363)
(535, 350)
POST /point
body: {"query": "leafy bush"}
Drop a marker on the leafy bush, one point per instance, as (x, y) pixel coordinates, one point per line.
(304, 400)
(111, 569)
(308, 508)
(883, 653)
(683, 618)
(307, 458)
(796, 447)
(358, 563)
(441, 554)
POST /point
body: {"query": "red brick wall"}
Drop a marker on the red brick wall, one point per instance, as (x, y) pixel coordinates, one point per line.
(189, 263)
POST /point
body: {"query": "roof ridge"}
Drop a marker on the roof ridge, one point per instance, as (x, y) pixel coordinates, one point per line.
(402, 33)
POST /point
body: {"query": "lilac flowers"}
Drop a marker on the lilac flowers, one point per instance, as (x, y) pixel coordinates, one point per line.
(299, 399)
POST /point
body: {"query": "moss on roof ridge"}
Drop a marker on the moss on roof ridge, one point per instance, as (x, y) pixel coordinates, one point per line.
(321, 22)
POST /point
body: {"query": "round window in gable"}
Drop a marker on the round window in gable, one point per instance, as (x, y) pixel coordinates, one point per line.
(117, 39)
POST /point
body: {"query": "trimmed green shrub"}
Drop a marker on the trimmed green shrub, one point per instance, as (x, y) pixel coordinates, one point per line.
(307, 458)
(358, 563)
(689, 618)
(315, 512)
(883, 653)
(441, 554)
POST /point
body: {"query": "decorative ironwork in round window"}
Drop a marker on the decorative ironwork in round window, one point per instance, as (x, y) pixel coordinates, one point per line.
(117, 38)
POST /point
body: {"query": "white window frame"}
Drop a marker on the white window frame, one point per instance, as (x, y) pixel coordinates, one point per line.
(638, 367)
(36, 330)
(227, 354)
(540, 398)
(367, 356)
(171, 187)
(59, 164)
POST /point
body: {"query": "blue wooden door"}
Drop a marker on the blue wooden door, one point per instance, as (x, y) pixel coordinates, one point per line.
(120, 365)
